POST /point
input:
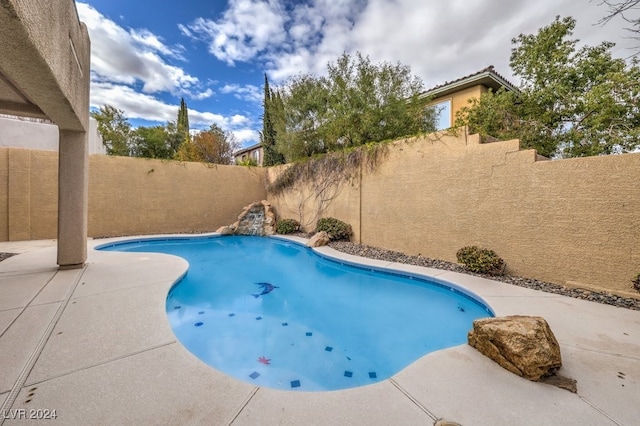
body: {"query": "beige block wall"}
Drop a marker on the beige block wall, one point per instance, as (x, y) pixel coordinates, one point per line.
(143, 196)
(127, 196)
(573, 222)
(301, 203)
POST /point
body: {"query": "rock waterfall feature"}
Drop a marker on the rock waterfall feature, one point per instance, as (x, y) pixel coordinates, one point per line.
(255, 219)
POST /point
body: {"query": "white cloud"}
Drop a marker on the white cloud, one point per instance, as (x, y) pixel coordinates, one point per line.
(147, 107)
(133, 56)
(246, 136)
(440, 40)
(247, 92)
(247, 28)
(238, 119)
(147, 38)
(129, 72)
(202, 95)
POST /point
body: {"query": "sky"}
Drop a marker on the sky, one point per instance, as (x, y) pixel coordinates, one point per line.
(147, 55)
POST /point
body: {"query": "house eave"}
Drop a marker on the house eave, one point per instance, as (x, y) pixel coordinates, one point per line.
(488, 79)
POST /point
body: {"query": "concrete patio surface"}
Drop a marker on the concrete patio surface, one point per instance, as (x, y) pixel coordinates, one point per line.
(95, 345)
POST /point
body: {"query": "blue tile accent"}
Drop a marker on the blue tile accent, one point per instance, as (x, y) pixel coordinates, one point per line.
(348, 373)
(373, 375)
(258, 318)
(232, 315)
(254, 375)
(177, 307)
(295, 383)
(198, 324)
(201, 312)
(328, 349)
(349, 358)
(309, 333)
(284, 324)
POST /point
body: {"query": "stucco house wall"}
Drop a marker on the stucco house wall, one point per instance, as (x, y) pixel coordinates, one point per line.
(27, 133)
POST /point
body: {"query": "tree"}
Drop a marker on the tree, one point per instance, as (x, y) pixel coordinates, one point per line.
(268, 134)
(572, 102)
(624, 9)
(174, 138)
(151, 142)
(114, 129)
(358, 102)
(183, 117)
(211, 146)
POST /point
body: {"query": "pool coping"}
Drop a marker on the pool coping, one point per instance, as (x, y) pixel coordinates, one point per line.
(59, 336)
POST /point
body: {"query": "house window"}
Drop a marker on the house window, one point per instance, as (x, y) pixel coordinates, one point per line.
(443, 114)
(256, 155)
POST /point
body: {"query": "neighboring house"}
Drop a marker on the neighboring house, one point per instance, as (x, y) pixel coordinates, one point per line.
(450, 97)
(37, 133)
(254, 152)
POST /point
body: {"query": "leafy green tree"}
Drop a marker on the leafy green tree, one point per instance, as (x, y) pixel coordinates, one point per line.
(304, 103)
(210, 146)
(358, 102)
(174, 138)
(268, 134)
(114, 129)
(572, 101)
(151, 142)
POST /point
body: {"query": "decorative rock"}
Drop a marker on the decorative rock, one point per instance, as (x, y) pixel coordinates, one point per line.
(225, 230)
(319, 239)
(523, 345)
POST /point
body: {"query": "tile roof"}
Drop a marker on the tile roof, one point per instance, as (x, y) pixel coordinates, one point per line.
(487, 76)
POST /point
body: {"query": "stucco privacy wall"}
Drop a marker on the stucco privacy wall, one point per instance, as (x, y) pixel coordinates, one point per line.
(127, 196)
(572, 222)
(142, 196)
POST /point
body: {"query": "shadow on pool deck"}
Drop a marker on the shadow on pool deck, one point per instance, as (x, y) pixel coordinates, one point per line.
(95, 346)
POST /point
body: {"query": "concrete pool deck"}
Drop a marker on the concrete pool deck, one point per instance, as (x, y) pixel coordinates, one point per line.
(94, 344)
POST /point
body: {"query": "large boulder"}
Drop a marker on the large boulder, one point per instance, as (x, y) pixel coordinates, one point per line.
(523, 345)
(319, 239)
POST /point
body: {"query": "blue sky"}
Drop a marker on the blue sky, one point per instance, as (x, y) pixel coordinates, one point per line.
(146, 55)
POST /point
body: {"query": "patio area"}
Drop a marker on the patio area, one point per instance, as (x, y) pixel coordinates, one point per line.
(94, 344)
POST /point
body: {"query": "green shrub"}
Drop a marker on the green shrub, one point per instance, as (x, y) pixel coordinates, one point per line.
(337, 229)
(636, 282)
(480, 260)
(287, 226)
(247, 162)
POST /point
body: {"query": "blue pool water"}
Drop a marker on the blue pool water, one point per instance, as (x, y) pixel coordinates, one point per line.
(275, 314)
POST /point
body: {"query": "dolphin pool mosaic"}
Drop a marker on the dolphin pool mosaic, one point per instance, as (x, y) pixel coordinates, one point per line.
(313, 324)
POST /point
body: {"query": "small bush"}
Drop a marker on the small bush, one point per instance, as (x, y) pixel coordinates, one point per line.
(482, 261)
(337, 229)
(636, 282)
(248, 162)
(287, 226)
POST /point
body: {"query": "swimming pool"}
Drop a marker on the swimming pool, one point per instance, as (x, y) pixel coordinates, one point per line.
(276, 314)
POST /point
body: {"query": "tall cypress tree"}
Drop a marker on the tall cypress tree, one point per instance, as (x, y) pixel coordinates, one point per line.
(183, 117)
(268, 134)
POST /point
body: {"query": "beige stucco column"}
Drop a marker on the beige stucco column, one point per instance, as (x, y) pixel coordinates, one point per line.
(73, 195)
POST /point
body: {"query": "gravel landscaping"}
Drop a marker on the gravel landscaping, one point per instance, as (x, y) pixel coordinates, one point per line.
(394, 256)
